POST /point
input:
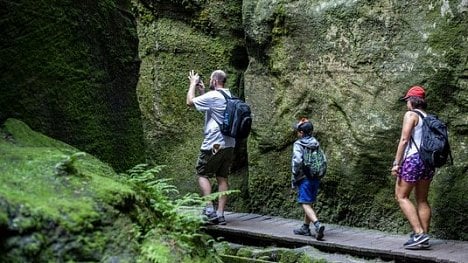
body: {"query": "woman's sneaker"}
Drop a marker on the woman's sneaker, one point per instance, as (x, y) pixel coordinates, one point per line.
(304, 231)
(416, 241)
(425, 245)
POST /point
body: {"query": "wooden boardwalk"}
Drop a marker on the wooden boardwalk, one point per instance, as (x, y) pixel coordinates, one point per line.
(257, 229)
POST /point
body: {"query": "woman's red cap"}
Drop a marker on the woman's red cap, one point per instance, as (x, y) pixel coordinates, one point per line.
(415, 91)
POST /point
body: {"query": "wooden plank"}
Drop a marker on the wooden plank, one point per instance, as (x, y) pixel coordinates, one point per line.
(357, 241)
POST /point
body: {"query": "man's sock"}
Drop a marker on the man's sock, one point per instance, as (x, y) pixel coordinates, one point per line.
(209, 209)
(220, 213)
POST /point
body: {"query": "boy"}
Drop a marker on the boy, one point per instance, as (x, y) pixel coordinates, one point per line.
(307, 186)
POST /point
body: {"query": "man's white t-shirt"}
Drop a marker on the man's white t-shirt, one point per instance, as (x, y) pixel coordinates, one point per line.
(213, 105)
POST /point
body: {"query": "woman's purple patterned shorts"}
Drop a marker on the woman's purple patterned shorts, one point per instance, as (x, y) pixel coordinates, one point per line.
(413, 170)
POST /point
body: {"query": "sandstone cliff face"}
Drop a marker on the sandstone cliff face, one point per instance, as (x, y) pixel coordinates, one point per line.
(70, 70)
(344, 64)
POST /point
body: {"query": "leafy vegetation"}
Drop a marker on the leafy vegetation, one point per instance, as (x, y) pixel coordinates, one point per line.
(59, 203)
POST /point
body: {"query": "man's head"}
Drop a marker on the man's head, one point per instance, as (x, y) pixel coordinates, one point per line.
(304, 126)
(217, 79)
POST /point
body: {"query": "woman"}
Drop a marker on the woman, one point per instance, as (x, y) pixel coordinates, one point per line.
(411, 172)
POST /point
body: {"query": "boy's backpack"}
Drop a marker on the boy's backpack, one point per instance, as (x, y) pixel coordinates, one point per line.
(237, 119)
(315, 162)
(435, 148)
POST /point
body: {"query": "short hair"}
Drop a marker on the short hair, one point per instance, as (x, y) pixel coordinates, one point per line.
(219, 75)
(417, 102)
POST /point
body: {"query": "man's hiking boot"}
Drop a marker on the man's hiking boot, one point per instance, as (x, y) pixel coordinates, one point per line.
(221, 220)
(319, 232)
(209, 217)
(304, 231)
(417, 241)
(212, 218)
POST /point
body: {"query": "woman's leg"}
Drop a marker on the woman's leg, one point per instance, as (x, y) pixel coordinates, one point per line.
(402, 192)
(423, 207)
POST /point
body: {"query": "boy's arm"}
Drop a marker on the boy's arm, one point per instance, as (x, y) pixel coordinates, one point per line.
(296, 163)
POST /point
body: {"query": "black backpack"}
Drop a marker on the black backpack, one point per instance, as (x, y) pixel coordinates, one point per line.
(315, 162)
(237, 119)
(435, 148)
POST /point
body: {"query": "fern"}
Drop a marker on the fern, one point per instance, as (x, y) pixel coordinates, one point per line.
(67, 166)
(176, 226)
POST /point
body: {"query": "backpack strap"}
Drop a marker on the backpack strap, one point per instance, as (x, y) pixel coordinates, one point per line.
(224, 94)
(412, 139)
(419, 113)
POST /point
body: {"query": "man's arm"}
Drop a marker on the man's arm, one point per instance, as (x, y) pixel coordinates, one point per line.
(194, 83)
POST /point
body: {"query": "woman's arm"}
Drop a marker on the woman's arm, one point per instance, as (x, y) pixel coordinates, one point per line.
(410, 120)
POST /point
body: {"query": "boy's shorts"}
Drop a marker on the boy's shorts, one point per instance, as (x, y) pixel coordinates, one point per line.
(307, 190)
(413, 170)
(218, 164)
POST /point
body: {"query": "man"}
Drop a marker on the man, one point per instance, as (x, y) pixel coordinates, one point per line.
(217, 150)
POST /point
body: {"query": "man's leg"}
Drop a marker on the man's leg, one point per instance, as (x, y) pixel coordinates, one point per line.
(226, 157)
(223, 186)
(205, 185)
(204, 182)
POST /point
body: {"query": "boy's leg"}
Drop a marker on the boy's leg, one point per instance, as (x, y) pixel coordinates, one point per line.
(310, 215)
(307, 193)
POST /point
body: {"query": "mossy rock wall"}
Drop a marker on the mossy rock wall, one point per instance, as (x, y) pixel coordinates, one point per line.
(344, 64)
(45, 216)
(175, 38)
(69, 70)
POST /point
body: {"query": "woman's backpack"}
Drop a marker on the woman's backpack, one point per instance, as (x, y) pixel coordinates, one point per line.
(435, 148)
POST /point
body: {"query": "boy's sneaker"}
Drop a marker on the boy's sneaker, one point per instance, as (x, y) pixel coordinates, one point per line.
(416, 241)
(304, 231)
(319, 232)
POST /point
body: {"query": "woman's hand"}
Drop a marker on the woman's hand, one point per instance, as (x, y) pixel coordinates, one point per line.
(395, 170)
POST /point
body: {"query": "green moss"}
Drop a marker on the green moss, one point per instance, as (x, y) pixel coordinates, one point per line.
(91, 214)
(245, 252)
(169, 50)
(71, 73)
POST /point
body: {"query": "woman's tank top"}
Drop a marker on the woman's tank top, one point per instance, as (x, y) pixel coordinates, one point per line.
(411, 148)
